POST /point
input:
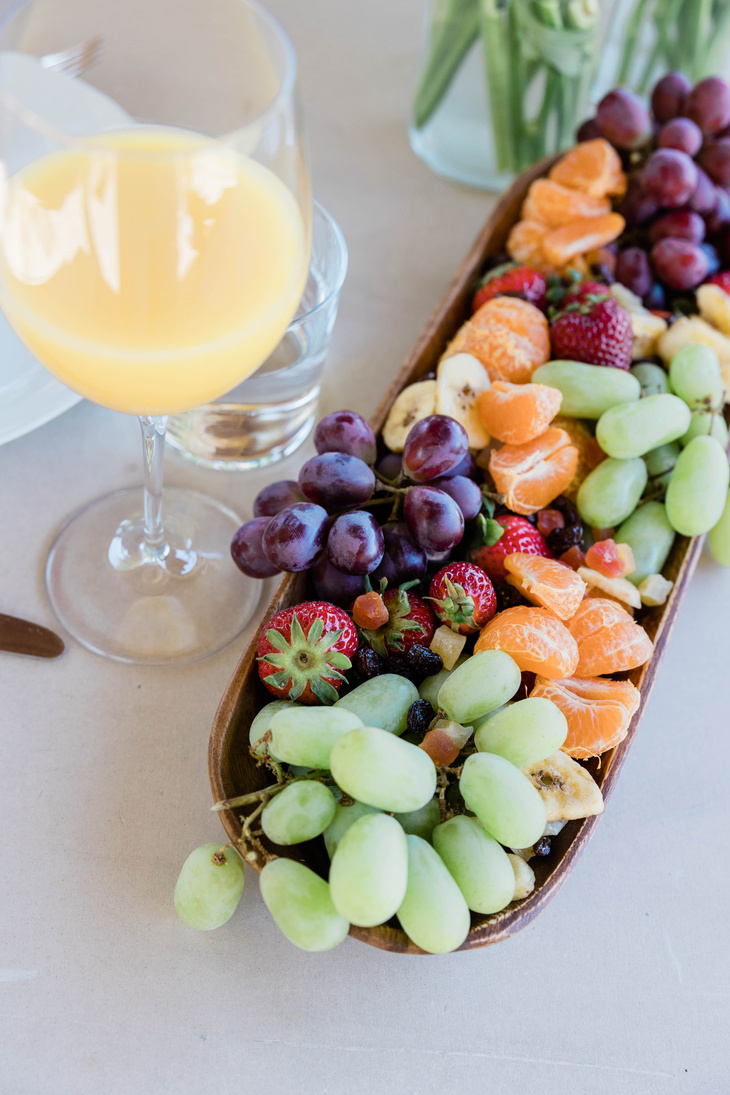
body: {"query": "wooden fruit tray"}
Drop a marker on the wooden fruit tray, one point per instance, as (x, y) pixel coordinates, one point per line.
(232, 770)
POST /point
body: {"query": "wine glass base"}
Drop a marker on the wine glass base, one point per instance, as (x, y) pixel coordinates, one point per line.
(172, 607)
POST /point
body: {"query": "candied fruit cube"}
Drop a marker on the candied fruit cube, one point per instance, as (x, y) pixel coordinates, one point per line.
(445, 740)
(449, 644)
(654, 590)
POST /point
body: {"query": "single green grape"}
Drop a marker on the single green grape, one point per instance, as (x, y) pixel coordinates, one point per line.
(503, 798)
(707, 423)
(719, 538)
(382, 701)
(369, 871)
(525, 732)
(421, 822)
(207, 891)
(300, 812)
(261, 724)
(652, 378)
(611, 492)
(588, 390)
(650, 537)
(697, 491)
(632, 429)
(376, 767)
(694, 375)
(485, 681)
(429, 688)
(660, 465)
(477, 863)
(433, 913)
(344, 817)
(305, 735)
(301, 904)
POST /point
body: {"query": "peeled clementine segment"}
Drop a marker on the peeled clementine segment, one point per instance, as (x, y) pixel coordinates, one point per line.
(517, 413)
(598, 711)
(546, 582)
(555, 205)
(582, 234)
(609, 640)
(593, 167)
(524, 244)
(535, 638)
(531, 475)
(593, 592)
(590, 453)
(508, 335)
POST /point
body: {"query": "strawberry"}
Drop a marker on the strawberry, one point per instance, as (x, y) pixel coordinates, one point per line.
(463, 597)
(722, 279)
(410, 621)
(303, 651)
(593, 328)
(503, 536)
(511, 280)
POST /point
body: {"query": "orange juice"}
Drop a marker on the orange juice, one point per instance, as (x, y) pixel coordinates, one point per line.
(149, 269)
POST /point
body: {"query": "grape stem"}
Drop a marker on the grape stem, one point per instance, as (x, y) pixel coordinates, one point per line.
(265, 793)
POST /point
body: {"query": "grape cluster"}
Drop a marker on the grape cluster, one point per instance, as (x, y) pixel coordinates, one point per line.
(347, 516)
(677, 205)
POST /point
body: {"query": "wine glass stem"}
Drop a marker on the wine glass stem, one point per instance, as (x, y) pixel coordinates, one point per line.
(153, 443)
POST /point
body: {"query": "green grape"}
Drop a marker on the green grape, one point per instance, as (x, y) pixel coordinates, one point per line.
(382, 701)
(588, 390)
(207, 893)
(719, 539)
(305, 735)
(707, 423)
(344, 817)
(300, 812)
(478, 723)
(611, 492)
(301, 904)
(262, 723)
(429, 689)
(483, 682)
(421, 822)
(632, 429)
(694, 375)
(660, 465)
(369, 871)
(477, 863)
(650, 536)
(698, 488)
(376, 767)
(504, 800)
(525, 732)
(433, 914)
(652, 378)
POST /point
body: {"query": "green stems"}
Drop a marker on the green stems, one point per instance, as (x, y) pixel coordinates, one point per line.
(454, 29)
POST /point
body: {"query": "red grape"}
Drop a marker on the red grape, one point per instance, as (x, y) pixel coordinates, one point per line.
(681, 133)
(623, 119)
(588, 131)
(708, 104)
(330, 584)
(465, 493)
(336, 479)
(434, 447)
(433, 518)
(682, 225)
(275, 497)
(713, 259)
(247, 550)
(715, 160)
(467, 467)
(355, 543)
(669, 96)
(704, 195)
(633, 270)
(389, 467)
(403, 559)
(293, 539)
(669, 177)
(679, 263)
(656, 298)
(720, 216)
(346, 431)
(635, 207)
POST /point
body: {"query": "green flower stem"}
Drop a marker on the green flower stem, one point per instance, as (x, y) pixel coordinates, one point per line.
(455, 29)
(501, 87)
(631, 41)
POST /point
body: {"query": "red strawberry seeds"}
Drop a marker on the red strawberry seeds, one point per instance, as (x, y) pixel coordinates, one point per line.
(512, 280)
(410, 622)
(596, 329)
(304, 651)
(463, 597)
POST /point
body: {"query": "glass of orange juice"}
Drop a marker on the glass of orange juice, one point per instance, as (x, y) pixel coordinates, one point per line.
(155, 226)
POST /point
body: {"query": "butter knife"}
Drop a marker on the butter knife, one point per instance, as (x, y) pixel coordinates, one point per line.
(22, 637)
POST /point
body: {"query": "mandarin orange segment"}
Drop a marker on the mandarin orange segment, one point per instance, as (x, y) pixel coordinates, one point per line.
(519, 316)
(546, 582)
(590, 453)
(524, 244)
(593, 592)
(598, 712)
(509, 336)
(517, 413)
(535, 638)
(531, 475)
(591, 166)
(609, 640)
(554, 205)
(562, 245)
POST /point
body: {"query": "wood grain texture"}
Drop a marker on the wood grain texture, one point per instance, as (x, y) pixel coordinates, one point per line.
(231, 768)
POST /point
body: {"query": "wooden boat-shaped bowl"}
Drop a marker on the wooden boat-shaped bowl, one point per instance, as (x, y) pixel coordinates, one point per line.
(232, 770)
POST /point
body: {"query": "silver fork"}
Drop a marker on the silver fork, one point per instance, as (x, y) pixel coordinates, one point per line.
(74, 60)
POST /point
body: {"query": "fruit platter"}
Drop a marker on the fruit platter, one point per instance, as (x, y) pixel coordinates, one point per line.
(479, 584)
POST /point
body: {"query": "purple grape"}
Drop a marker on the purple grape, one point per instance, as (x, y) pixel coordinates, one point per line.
(465, 493)
(337, 480)
(720, 216)
(467, 467)
(247, 550)
(403, 559)
(704, 196)
(679, 263)
(588, 131)
(274, 498)
(623, 119)
(669, 177)
(635, 207)
(656, 298)
(434, 446)
(293, 539)
(355, 543)
(389, 467)
(433, 518)
(681, 133)
(715, 160)
(682, 225)
(670, 95)
(708, 104)
(330, 584)
(633, 270)
(713, 259)
(346, 431)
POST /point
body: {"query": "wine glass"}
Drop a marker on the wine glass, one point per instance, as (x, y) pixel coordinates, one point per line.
(155, 228)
